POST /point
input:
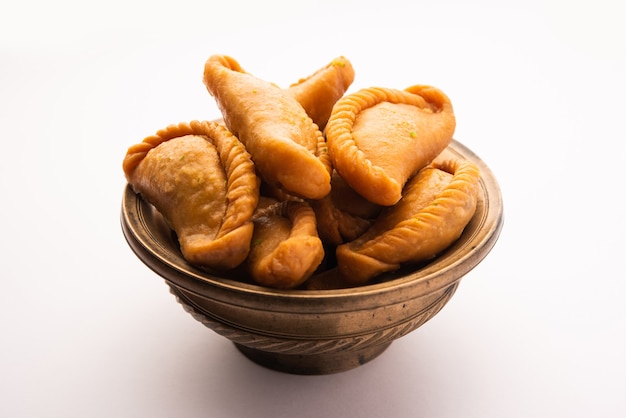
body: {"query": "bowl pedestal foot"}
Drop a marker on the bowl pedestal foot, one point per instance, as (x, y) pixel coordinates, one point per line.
(313, 364)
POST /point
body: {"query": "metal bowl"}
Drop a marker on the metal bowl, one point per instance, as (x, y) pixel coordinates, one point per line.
(316, 331)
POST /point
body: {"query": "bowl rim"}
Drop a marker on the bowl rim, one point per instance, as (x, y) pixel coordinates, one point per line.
(450, 266)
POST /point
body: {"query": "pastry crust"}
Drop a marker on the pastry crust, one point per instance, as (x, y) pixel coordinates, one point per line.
(201, 179)
(286, 249)
(438, 203)
(288, 149)
(329, 279)
(343, 215)
(379, 137)
(319, 92)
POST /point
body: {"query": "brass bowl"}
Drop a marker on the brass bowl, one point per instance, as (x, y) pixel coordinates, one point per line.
(316, 331)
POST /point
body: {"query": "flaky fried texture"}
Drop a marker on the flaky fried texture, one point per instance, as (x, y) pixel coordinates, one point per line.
(379, 137)
(437, 204)
(319, 92)
(199, 176)
(286, 249)
(288, 149)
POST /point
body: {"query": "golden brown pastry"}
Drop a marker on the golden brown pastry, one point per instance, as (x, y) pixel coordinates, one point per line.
(437, 204)
(319, 92)
(201, 179)
(288, 149)
(286, 249)
(329, 279)
(343, 215)
(276, 193)
(379, 137)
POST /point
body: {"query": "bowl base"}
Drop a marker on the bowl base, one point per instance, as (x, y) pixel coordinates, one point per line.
(313, 364)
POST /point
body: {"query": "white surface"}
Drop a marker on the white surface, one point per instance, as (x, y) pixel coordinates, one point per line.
(537, 330)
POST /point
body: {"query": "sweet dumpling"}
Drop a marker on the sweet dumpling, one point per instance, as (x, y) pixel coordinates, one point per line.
(437, 204)
(286, 249)
(201, 179)
(379, 137)
(343, 215)
(319, 92)
(288, 149)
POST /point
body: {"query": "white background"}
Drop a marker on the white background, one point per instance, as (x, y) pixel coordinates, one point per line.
(536, 330)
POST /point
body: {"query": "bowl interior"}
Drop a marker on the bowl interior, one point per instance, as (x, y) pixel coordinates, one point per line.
(156, 245)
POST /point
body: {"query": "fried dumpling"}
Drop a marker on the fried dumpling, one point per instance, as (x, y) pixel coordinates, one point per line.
(286, 249)
(277, 193)
(329, 279)
(288, 149)
(437, 204)
(379, 137)
(319, 92)
(199, 176)
(343, 215)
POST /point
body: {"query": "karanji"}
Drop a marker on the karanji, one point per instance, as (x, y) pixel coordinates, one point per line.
(200, 177)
